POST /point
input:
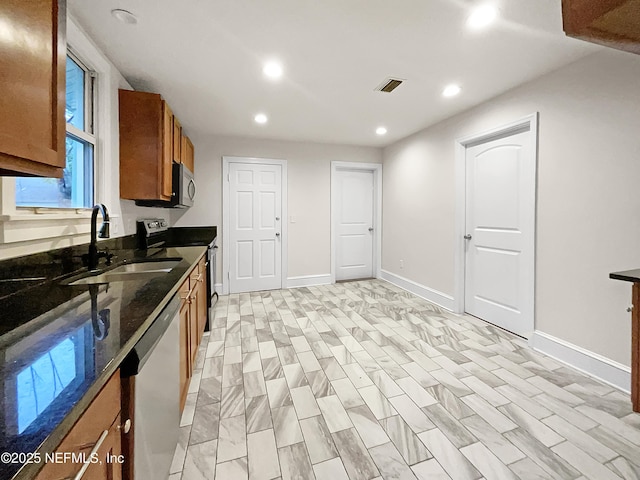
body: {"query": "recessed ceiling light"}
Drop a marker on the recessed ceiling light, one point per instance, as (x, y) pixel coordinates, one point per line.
(451, 90)
(272, 70)
(124, 16)
(482, 16)
(261, 118)
(381, 130)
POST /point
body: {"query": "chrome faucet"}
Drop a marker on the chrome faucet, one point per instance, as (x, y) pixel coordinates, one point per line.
(94, 255)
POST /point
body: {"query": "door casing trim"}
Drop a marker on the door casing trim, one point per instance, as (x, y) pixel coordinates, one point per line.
(376, 168)
(226, 216)
(461, 144)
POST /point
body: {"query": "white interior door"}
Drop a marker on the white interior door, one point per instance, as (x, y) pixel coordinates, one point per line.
(354, 225)
(500, 223)
(255, 240)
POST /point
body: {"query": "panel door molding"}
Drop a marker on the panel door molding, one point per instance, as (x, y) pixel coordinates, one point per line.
(495, 225)
(254, 248)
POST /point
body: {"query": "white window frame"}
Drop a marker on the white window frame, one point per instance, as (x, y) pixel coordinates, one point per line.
(86, 135)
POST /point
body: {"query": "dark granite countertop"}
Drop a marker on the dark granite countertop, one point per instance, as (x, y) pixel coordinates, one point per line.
(60, 344)
(191, 236)
(627, 275)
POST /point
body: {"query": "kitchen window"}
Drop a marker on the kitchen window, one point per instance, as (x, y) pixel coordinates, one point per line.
(76, 187)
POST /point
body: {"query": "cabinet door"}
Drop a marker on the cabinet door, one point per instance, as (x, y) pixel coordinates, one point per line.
(185, 350)
(167, 149)
(177, 141)
(142, 121)
(612, 23)
(103, 414)
(110, 456)
(194, 339)
(202, 298)
(32, 82)
(187, 153)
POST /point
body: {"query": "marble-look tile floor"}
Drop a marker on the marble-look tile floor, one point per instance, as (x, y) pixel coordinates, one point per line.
(363, 380)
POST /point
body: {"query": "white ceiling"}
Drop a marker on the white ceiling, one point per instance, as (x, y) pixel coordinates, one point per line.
(206, 57)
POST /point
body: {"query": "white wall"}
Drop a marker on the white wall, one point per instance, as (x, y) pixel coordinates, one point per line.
(309, 189)
(588, 213)
(26, 233)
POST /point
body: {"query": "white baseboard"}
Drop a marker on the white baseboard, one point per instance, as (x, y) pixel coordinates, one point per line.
(308, 281)
(593, 364)
(441, 299)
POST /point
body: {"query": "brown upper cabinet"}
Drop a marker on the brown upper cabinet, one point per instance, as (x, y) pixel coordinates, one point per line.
(32, 86)
(146, 131)
(612, 23)
(187, 153)
(151, 141)
(182, 146)
(177, 141)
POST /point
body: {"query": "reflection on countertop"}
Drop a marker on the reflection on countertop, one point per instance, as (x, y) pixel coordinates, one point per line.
(59, 344)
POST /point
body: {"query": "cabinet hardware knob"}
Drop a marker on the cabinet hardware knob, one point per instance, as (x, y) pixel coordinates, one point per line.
(467, 237)
(630, 308)
(126, 426)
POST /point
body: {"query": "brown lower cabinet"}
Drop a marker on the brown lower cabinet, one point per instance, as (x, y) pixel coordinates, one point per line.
(193, 318)
(99, 432)
(202, 297)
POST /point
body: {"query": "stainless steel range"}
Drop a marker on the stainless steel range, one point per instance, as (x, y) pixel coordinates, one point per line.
(155, 233)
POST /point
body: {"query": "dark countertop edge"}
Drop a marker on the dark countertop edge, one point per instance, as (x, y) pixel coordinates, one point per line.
(626, 276)
(30, 470)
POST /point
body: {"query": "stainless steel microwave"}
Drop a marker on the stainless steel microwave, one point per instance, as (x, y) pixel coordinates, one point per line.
(184, 186)
(183, 190)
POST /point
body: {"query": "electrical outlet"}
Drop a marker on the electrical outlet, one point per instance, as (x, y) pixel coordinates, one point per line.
(401, 264)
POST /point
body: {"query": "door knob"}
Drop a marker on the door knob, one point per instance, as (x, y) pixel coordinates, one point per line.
(371, 229)
(277, 234)
(277, 218)
(467, 237)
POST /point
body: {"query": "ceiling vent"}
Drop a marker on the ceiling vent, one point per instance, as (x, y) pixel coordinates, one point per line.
(389, 85)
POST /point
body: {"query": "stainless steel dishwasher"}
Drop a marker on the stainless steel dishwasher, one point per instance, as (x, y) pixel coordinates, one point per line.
(155, 363)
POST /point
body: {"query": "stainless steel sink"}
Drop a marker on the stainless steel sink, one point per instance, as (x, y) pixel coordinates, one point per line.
(128, 272)
(163, 266)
